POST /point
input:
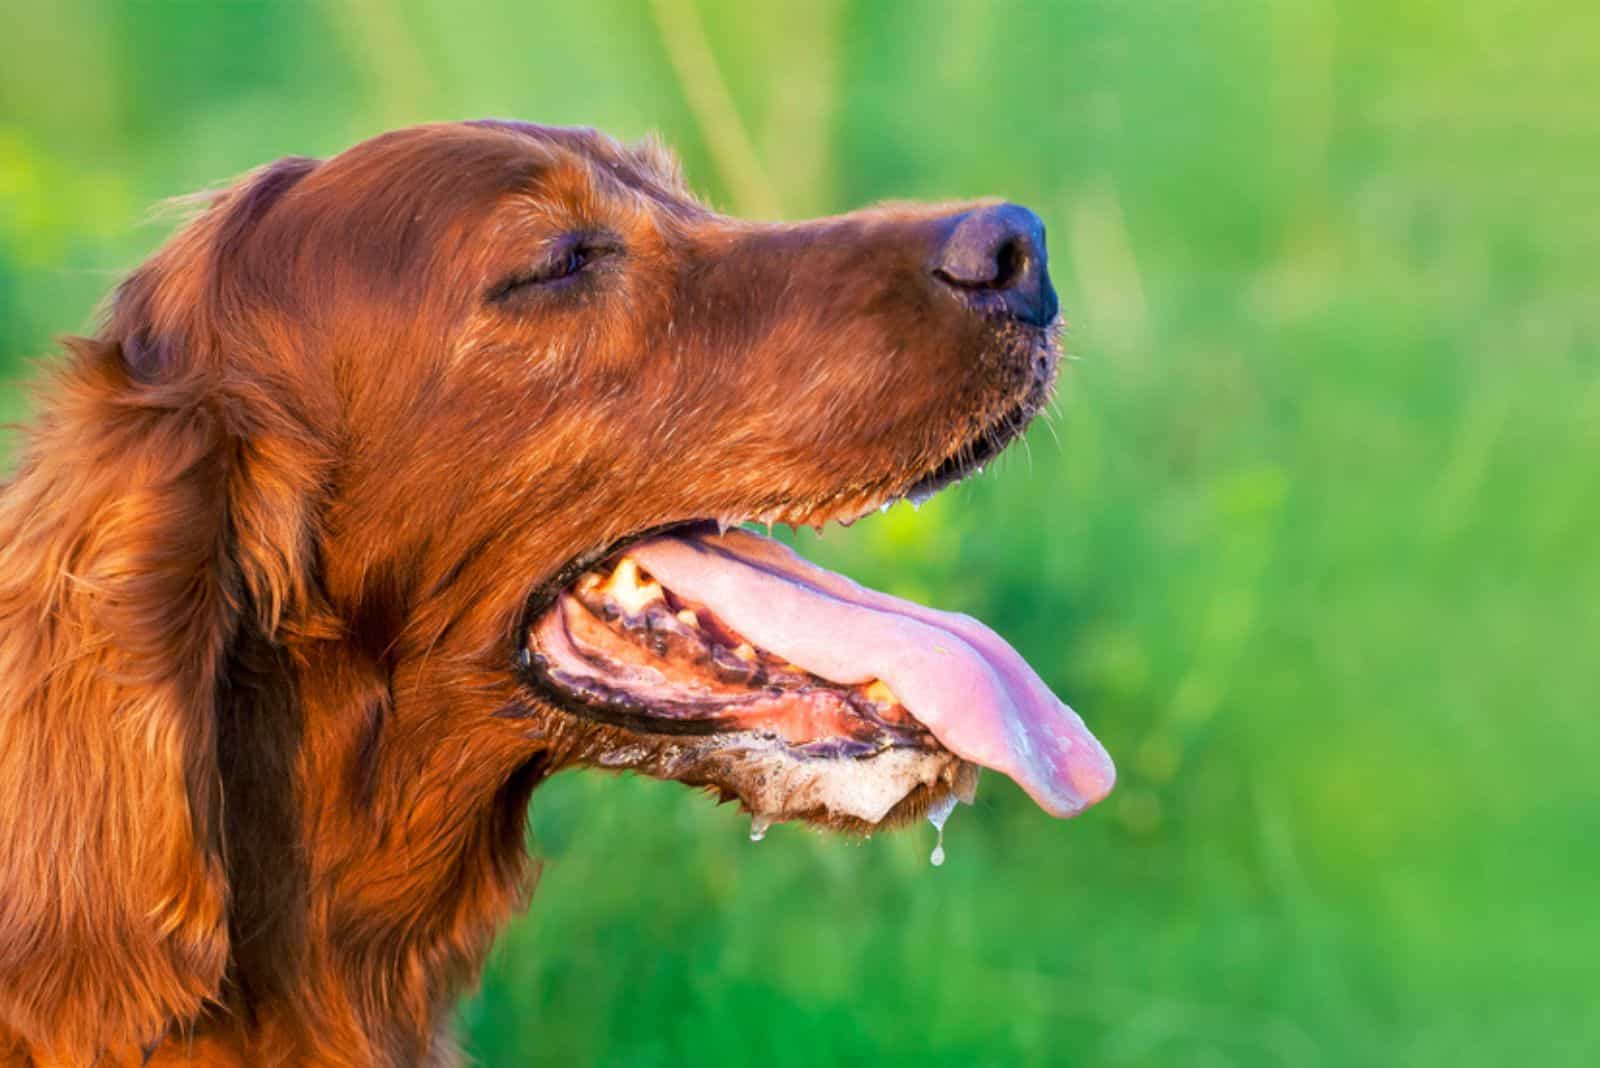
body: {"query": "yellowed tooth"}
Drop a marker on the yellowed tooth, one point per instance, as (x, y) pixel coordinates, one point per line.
(878, 692)
(688, 618)
(745, 651)
(630, 589)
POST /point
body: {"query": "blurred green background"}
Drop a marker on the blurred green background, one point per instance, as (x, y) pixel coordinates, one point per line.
(1311, 541)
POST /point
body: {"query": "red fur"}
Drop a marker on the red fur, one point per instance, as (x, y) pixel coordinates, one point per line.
(274, 527)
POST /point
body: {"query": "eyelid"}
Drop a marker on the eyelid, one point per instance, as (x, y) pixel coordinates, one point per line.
(590, 245)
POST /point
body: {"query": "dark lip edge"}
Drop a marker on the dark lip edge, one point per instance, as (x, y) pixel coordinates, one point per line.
(989, 442)
(976, 451)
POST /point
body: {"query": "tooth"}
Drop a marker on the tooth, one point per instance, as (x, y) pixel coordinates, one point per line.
(629, 590)
(878, 692)
(723, 524)
(745, 651)
(688, 618)
(885, 506)
(965, 786)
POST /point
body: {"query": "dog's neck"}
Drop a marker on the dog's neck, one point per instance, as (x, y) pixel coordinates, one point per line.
(358, 915)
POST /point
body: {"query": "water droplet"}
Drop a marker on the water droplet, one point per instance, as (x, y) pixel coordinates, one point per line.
(758, 827)
(938, 813)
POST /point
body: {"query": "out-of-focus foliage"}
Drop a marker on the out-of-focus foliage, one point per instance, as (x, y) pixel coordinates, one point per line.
(1312, 540)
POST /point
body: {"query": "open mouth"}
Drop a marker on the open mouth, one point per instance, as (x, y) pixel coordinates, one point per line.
(796, 690)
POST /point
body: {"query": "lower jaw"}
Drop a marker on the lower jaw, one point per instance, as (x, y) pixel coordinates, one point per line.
(890, 789)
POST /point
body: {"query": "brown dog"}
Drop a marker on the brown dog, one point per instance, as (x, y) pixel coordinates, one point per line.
(393, 484)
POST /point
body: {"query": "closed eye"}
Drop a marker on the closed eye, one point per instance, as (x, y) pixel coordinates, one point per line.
(566, 261)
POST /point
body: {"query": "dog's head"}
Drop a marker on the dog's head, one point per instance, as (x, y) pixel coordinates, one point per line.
(451, 430)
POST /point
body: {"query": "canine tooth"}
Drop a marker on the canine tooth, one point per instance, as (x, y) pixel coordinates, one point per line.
(885, 506)
(629, 590)
(745, 651)
(688, 618)
(723, 525)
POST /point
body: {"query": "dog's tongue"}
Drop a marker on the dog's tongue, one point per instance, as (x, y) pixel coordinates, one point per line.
(956, 676)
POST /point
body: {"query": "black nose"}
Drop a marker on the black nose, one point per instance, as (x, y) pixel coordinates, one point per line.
(995, 258)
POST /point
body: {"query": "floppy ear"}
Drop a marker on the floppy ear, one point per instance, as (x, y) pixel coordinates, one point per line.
(153, 514)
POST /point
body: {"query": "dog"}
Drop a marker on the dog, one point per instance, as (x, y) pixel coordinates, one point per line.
(398, 481)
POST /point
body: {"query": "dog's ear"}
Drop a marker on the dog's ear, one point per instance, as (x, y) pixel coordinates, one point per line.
(156, 511)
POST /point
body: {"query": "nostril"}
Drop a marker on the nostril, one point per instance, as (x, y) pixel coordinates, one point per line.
(995, 257)
(1000, 271)
(1010, 263)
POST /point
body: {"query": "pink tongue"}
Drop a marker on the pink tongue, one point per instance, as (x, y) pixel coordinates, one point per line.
(956, 676)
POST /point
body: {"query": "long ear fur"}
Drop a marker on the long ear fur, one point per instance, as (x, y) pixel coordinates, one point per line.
(154, 508)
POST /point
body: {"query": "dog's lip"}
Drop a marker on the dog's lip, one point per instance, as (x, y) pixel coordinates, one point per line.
(971, 455)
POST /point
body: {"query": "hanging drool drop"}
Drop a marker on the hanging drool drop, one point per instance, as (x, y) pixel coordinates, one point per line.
(938, 813)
